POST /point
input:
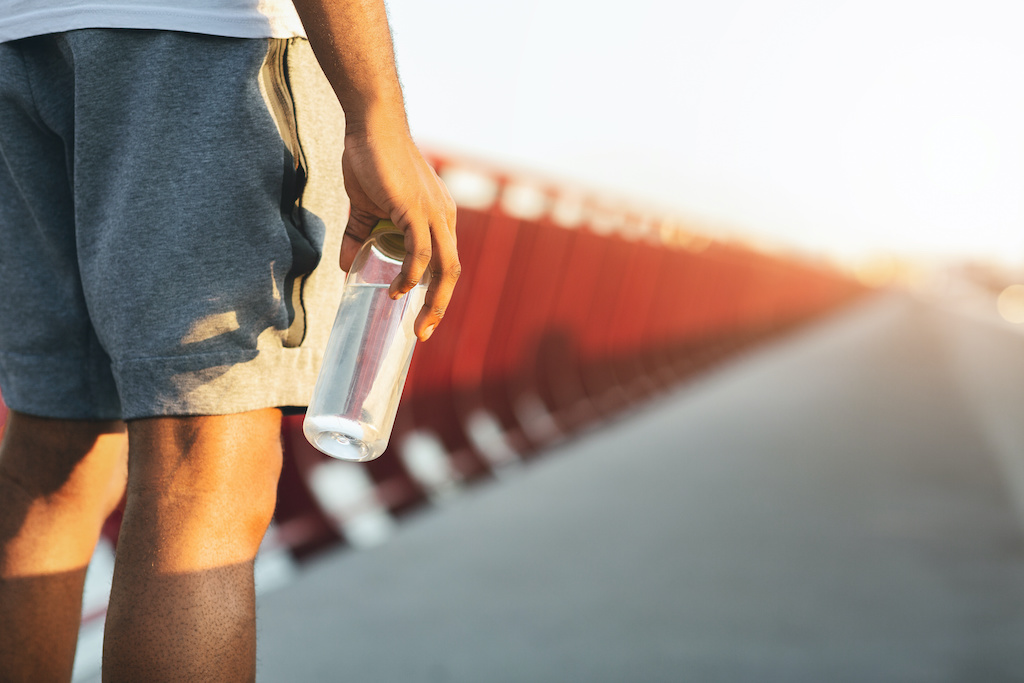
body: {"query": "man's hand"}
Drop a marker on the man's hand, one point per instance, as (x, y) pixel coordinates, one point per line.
(386, 177)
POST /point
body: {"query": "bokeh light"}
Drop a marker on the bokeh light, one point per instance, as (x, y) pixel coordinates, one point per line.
(1011, 304)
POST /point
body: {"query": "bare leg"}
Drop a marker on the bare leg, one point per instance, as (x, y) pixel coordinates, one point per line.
(201, 493)
(59, 480)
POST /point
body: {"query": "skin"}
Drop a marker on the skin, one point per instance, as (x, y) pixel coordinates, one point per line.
(200, 491)
(385, 175)
(59, 480)
(200, 495)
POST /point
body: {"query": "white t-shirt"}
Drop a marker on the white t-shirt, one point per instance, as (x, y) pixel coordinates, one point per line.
(234, 18)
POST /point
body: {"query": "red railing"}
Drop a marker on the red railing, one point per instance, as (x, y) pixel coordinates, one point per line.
(567, 314)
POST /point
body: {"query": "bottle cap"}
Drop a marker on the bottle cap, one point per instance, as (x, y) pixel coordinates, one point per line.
(390, 239)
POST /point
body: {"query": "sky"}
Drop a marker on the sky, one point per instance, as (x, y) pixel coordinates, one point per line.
(849, 129)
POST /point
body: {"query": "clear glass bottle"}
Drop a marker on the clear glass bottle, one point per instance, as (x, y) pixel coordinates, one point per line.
(367, 358)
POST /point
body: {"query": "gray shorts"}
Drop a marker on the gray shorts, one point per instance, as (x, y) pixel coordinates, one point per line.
(165, 200)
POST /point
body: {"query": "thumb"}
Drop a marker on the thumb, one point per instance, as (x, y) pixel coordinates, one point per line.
(360, 223)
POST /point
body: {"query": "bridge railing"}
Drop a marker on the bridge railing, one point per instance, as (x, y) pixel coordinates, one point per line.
(571, 310)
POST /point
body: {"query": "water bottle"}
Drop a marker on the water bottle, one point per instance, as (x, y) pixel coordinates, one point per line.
(367, 358)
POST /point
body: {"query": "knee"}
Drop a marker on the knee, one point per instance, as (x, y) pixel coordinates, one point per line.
(212, 478)
(74, 464)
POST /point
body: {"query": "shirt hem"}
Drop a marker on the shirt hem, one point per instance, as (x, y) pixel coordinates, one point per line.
(224, 24)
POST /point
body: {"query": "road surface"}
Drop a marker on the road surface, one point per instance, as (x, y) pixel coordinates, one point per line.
(843, 504)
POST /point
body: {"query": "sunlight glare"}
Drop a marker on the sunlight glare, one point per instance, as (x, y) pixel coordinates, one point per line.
(1011, 304)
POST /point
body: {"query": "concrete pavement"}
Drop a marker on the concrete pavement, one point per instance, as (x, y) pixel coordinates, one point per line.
(841, 505)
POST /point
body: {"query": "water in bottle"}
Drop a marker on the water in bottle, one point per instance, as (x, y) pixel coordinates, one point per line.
(367, 359)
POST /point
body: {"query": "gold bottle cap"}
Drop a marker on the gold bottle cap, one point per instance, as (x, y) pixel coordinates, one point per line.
(390, 239)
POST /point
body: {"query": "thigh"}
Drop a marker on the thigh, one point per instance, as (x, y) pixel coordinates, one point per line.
(59, 480)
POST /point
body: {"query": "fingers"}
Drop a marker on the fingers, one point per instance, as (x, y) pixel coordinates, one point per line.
(445, 270)
(430, 249)
(418, 253)
(450, 209)
(387, 177)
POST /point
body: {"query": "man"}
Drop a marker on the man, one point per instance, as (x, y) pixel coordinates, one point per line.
(166, 190)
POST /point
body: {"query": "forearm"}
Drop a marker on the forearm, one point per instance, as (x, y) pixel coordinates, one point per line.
(384, 173)
(352, 42)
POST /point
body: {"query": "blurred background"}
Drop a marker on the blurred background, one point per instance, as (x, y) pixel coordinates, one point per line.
(732, 386)
(844, 128)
